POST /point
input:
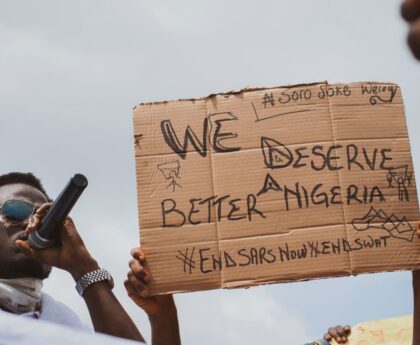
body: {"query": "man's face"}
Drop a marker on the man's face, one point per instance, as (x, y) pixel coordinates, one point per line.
(13, 263)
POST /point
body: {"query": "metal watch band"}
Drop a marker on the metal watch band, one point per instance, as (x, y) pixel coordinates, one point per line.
(90, 278)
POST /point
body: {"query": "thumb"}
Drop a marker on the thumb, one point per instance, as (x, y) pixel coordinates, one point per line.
(130, 289)
(68, 232)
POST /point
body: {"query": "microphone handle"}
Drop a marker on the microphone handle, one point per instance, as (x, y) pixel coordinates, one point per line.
(46, 235)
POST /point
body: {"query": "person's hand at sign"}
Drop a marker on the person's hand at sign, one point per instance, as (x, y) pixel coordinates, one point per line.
(410, 10)
(339, 333)
(160, 309)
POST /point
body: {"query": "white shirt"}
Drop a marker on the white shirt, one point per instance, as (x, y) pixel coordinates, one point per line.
(16, 330)
(56, 312)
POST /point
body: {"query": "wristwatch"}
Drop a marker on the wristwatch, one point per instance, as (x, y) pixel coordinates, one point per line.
(90, 278)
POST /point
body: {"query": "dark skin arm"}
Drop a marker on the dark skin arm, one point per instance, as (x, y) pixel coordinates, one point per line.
(410, 11)
(416, 294)
(70, 254)
(160, 309)
(416, 314)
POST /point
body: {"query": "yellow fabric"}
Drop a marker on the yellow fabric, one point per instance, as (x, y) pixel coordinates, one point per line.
(395, 331)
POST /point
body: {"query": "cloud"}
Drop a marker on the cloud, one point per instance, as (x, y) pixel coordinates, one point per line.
(38, 69)
(239, 317)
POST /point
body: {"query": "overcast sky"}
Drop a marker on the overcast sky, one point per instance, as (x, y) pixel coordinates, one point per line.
(71, 72)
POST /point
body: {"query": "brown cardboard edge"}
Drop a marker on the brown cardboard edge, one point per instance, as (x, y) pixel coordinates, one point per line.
(250, 89)
(256, 283)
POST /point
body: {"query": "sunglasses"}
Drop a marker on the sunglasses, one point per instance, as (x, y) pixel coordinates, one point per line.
(17, 211)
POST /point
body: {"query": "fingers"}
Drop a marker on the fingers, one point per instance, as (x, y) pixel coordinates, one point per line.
(347, 330)
(68, 231)
(69, 223)
(136, 286)
(343, 332)
(27, 249)
(338, 333)
(138, 254)
(129, 288)
(36, 219)
(332, 332)
(410, 10)
(340, 330)
(42, 210)
(328, 337)
(138, 277)
(137, 265)
(139, 271)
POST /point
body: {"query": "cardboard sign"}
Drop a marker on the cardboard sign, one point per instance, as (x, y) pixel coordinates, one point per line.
(275, 185)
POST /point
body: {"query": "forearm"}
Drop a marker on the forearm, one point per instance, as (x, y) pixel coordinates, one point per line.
(165, 327)
(70, 254)
(416, 312)
(107, 314)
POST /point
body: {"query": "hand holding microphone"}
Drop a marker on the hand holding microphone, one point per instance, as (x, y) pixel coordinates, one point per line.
(51, 230)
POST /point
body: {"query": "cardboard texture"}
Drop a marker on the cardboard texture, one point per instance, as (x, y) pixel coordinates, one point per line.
(273, 185)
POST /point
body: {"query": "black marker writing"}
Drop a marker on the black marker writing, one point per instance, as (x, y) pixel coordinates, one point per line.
(215, 122)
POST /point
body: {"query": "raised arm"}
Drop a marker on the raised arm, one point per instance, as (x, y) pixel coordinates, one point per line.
(416, 302)
(161, 310)
(416, 312)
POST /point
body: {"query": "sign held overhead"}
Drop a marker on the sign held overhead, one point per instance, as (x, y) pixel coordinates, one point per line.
(273, 185)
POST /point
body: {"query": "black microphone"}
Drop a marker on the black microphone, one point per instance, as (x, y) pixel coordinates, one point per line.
(46, 235)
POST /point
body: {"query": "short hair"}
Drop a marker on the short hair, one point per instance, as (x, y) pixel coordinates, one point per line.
(26, 178)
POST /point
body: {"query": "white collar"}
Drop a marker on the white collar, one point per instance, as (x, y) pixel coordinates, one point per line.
(20, 295)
